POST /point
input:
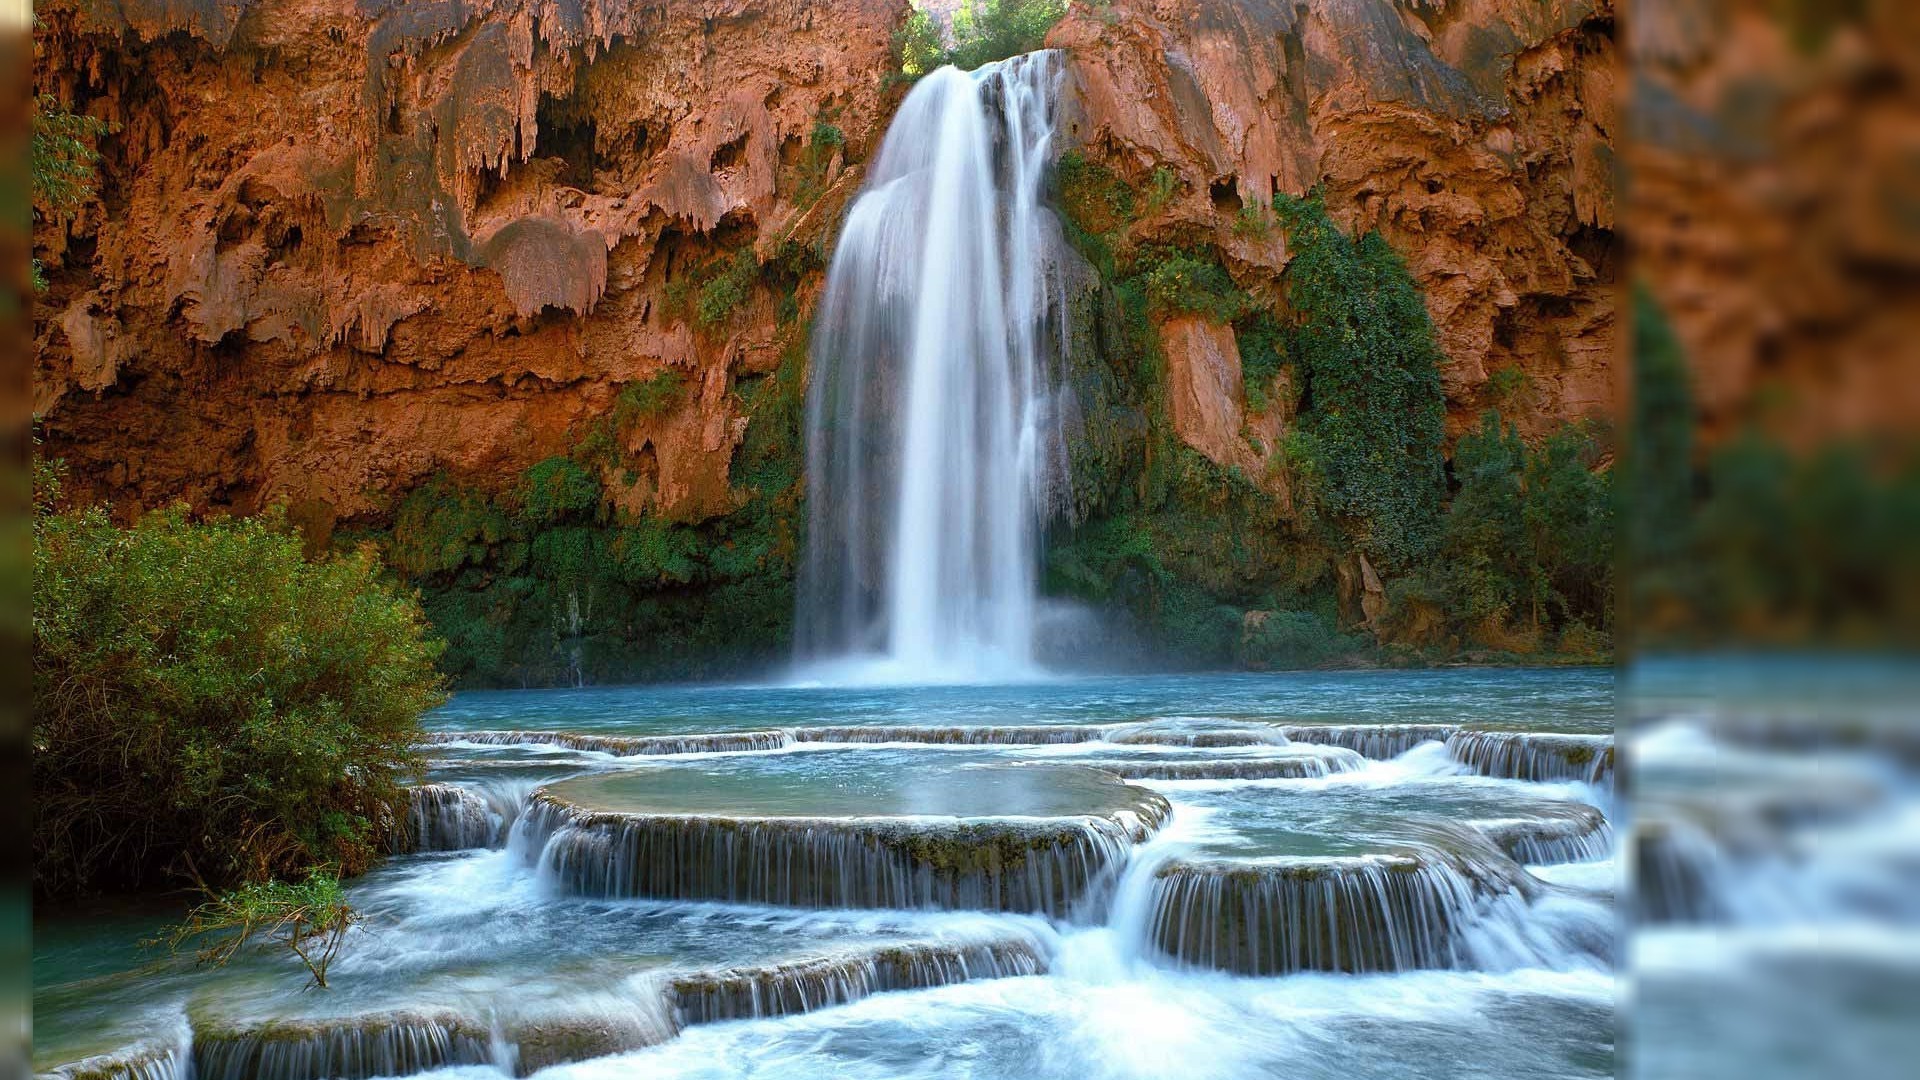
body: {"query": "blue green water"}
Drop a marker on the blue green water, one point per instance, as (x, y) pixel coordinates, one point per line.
(1547, 699)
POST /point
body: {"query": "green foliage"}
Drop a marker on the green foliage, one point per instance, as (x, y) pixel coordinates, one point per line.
(1162, 185)
(983, 31)
(1528, 536)
(1253, 220)
(918, 45)
(309, 920)
(649, 398)
(62, 164)
(1294, 640)
(208, 702)
(989, 30)
(554, 586)
(723, 293)
(1183, 281)
(445, 528)
(1366, 348)
(810, 173)
(557, 489)
(1657, 470)
(1507, 384)
(1263, 345)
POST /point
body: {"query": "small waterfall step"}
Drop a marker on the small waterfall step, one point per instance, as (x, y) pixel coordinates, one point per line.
(1010, 838)
(1355, 914)
(448, 817)
(347, 1048)
(1579, 833)
(1297, 763)
(403, 1043)
(1536, 756)
(805, 985)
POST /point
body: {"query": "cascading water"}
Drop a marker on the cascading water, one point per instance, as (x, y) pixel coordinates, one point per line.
(932, 432)
(750, 872)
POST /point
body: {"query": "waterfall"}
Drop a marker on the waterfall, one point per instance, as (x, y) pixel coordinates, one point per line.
(931, 435)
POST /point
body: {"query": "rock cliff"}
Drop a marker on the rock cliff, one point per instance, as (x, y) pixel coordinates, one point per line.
(343, 245)
(347, 252)
(1475, 135)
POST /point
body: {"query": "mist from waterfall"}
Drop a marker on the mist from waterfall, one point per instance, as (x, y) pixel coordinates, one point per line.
(932, 431)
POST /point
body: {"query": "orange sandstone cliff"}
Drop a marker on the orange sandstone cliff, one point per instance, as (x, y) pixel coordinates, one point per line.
(343, 246)
(1475, 135)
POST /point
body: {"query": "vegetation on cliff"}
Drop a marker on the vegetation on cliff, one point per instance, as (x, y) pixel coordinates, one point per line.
(983, 31)
(211, 705)
(1515, 549)
(547, 583)
(1758, 541)
(61, 163)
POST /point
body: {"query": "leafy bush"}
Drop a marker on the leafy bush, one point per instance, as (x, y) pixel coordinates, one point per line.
(1262, 341)
(1528, 536)
(1372, 368)
(208, 703)
(918, 45)
(723, 293)
(558, 488)
(1284, 640)
(309, 920)
(983, 31)
(61, 163)
(559, 586)
(1187, 282)
(810, 172)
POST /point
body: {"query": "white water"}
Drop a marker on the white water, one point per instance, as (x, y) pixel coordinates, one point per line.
(932, 434)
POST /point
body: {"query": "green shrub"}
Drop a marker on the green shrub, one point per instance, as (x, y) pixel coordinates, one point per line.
(648, 398)
(1184, 281)
(722, 294)
(810, 173)
(1528, 535)
(1162, 186)
(1367, 352)
(558, 488)
(62, 163)
(1262, 341)
(209, 704)
(983, 31)
(1285, 640)
(1253, 220)
(918, 46)
(441, 527)
(309, 920)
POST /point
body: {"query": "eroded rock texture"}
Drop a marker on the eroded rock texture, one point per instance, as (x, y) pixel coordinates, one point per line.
(346, 244)
(1476, 135)
(1774, 157)
(343, 246)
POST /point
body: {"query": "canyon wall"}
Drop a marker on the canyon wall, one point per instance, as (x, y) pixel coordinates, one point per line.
(372, 260)
(1475, 135)
(344, 245)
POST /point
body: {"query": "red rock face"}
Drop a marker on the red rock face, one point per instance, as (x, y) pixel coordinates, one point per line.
(1476, 136)
(1774, 185)
(343, 245)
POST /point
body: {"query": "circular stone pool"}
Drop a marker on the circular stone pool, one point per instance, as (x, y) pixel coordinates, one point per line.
(864, 784)
(843, 828)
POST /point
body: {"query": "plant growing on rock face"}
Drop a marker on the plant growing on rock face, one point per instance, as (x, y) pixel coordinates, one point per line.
(62, 163)
(983, 31)
(1372, 368)
(309, 920)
